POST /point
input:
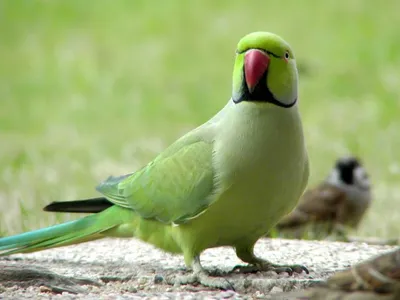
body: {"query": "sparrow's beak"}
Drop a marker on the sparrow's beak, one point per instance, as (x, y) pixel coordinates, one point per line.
(255, 65)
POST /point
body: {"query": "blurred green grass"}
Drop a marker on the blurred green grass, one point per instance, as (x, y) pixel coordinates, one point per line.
(94, 88)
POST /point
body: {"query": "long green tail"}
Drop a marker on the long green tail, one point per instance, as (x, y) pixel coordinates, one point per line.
(82, 230)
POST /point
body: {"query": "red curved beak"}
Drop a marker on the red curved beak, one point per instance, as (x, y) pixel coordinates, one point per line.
(255, 64)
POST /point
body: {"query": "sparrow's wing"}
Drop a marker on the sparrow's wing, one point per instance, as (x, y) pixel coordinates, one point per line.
(351, 213)
(319, 204)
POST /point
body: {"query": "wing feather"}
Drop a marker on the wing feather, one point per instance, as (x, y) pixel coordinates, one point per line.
(176, 186)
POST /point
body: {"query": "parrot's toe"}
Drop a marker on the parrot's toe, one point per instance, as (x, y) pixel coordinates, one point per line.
(202, 278)
(246, 269)
(290, 269)
(297, 269)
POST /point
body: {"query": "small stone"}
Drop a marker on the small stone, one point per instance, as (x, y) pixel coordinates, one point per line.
(45, 289)
(158, 279)
(247, 283)
(259, 295)
(276, 289)
(131, 289)
(227, 294)
(168, 290)
(142, 280)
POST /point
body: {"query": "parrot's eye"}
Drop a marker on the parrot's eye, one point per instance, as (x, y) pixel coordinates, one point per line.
(286, 55)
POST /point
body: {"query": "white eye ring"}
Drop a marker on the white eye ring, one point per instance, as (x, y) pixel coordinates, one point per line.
(286, 55)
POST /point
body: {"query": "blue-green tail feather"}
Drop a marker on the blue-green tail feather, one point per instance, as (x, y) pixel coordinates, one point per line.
(73, 232)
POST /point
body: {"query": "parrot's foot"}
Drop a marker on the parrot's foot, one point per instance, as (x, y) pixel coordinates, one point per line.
(267, 266)
(257, 264)
(204, 279)
(200, 276)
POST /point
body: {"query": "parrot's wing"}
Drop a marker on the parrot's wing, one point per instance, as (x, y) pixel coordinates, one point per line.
(176, 186)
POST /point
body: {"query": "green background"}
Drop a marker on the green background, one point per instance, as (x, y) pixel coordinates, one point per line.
(90, 89)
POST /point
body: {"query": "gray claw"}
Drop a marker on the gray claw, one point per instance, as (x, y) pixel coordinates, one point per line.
(290, 269)
(203, 279)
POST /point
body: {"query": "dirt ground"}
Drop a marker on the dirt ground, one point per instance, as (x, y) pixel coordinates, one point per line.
(130, 269)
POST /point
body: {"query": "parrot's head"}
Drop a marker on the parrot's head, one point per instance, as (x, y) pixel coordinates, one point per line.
(265, 70)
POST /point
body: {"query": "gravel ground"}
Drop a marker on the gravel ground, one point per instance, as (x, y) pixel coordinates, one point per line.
(130, 269)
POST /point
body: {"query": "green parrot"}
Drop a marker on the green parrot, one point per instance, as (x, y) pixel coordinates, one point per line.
(225, 183)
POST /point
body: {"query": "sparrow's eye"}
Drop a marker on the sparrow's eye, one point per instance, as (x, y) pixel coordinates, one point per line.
(286, 55)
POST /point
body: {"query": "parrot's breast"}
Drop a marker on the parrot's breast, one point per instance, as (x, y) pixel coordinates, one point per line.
(260, 164)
